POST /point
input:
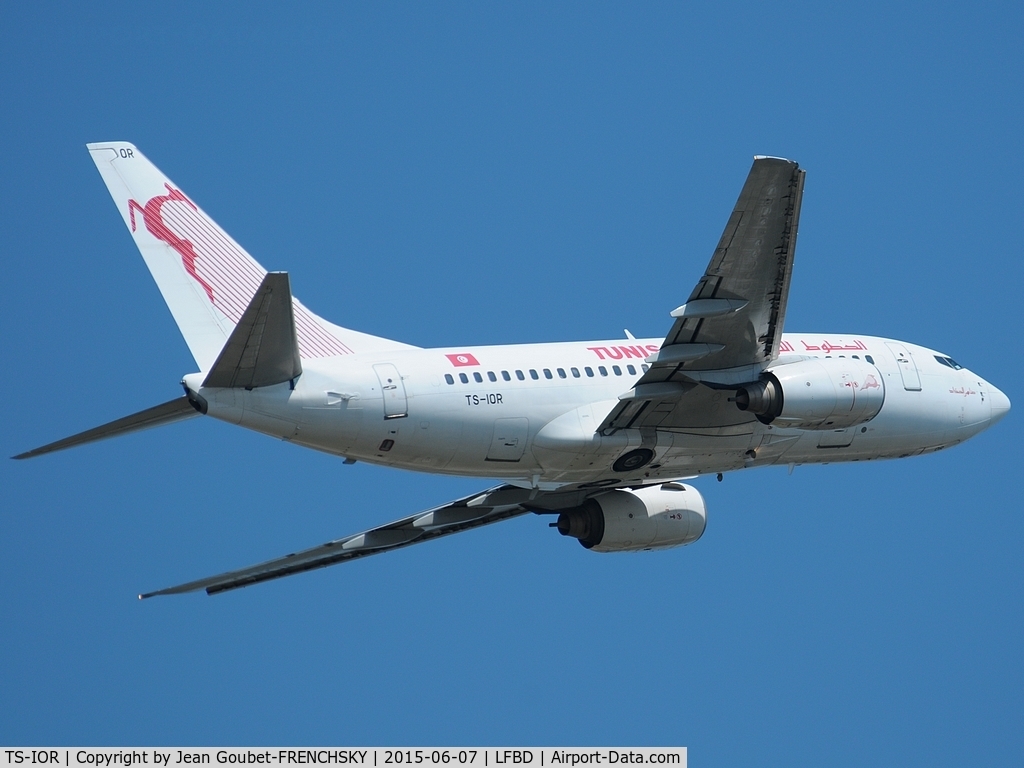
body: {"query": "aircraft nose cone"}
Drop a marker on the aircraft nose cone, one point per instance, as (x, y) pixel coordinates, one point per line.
(1000, 405)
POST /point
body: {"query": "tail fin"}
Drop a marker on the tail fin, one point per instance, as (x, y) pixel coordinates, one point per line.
(206, 278)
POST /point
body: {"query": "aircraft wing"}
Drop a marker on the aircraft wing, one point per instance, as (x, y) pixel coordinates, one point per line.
(730, 328)
(491, 506)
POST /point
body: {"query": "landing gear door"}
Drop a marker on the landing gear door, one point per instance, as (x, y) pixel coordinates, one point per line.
(908, 369)
(393, 390)
(509, 440)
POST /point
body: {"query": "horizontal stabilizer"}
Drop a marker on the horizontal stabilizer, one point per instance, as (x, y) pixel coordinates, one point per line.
(175, 410)
(262, 349)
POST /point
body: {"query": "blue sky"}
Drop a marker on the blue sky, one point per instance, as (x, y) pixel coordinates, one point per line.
(464, 174)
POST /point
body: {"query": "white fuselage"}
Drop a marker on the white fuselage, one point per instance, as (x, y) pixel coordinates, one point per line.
(528, 413)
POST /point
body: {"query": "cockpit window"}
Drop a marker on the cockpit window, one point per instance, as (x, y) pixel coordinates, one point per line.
(949, 361)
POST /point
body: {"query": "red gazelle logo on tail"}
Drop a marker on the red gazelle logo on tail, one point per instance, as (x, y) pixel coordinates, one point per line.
(153, 217)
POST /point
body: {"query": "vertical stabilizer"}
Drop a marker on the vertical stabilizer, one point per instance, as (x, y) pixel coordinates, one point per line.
(207, 279)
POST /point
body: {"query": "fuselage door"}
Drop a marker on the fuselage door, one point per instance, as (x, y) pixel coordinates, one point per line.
(908, 369)
(393, 390)
(509, 440)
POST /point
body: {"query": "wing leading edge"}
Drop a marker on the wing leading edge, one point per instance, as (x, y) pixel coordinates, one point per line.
(730, 328)
(500, 503)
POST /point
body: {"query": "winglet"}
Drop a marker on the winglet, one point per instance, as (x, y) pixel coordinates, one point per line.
(262, 349)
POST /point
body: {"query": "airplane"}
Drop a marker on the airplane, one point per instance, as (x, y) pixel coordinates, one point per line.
(598, 434)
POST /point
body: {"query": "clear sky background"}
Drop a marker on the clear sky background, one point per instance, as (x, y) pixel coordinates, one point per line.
(463, 174)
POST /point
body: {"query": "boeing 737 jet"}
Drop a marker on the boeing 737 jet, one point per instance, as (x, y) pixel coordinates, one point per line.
(597, 434)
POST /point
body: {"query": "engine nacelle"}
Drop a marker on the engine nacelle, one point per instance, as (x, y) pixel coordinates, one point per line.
(657, 517)
(829, 393)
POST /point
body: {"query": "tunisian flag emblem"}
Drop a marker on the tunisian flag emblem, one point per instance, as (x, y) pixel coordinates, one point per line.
(464, 359)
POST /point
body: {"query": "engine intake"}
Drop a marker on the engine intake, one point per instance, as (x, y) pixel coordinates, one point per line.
(657, 517)
(830, 393)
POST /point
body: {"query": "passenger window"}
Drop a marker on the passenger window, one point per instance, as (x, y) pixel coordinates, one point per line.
(631, 369)
(602, 370)
(463, 378)
(491, 376)
(477, 376)
(561, 373)
(575, 372)
(869, 359)
(449, 379)
(616, 370)
(590, 371)
(645, 367)
(533, 374)
(856, 357)
(505, 376)
(520, 375)
(547, 373)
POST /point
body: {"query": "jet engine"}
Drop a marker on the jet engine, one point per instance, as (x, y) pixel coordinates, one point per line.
(656, 517)
(829, 393)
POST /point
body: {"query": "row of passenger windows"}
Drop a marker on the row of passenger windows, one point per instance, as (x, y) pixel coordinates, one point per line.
(601, 371)
(547, 374)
